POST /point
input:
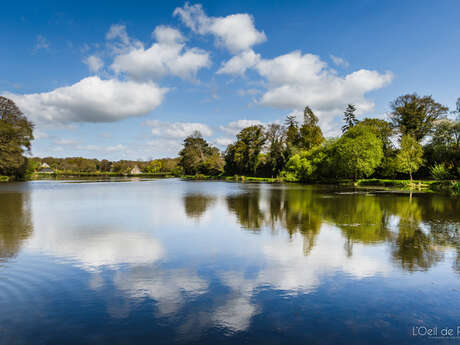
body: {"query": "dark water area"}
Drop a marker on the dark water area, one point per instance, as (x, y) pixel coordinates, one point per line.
(184, 262)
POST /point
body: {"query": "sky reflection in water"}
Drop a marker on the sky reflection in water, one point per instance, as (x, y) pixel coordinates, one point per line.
(222, 262)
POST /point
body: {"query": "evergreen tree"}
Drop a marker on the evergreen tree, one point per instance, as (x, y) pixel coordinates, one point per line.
(349, 117)
(309, 117)
(292, 131)
(310, 133)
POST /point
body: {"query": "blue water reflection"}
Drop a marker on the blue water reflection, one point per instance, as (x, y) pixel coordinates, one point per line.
(170, 261)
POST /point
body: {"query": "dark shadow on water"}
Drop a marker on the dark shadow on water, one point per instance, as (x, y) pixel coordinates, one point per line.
(15, 223)
(196, 204)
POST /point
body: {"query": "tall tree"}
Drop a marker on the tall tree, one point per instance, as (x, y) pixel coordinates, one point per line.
(349, 117)
(242, 156)
(409, 158)
(16, 134)
(277, 152)
(292, 133)
(310, 133)
(415, 116)
(444, 147)
(198, 157)
(358, 152)
(383, 130)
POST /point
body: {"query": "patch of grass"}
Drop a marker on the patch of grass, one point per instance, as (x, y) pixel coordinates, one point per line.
(4, 178)
(403, 184)
(238, 178)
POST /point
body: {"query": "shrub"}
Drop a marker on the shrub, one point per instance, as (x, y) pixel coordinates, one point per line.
(456, 188)
(439, 172)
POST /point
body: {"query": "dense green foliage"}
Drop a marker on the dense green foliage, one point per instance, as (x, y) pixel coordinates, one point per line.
(439, 172)
(369, 148)
(198, 157)
(416, 115)
(409, 158)
(310, 134)
(358, 152)
(242, 157)
(79, 165)
(15, 138)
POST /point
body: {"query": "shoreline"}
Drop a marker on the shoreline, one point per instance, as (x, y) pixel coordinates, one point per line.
(434, 186)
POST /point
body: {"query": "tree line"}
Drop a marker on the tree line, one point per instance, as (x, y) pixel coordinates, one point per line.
(16, 135)
(87, 165)
(419, 139)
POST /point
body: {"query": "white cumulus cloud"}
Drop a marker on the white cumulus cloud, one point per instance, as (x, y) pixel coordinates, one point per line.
(178, 129)
(240, 63)
(236, 32)
(168, 56)
(91, 100)
(235, 127)
(224, 141)
(295, 80)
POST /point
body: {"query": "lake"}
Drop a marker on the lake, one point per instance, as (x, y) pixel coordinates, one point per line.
(185, 262)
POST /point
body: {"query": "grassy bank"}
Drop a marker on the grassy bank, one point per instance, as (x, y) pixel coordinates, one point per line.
(237, 178)
(418, 185)
(421, 185)
(402, 184)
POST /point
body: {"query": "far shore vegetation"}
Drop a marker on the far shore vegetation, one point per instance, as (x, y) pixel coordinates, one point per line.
(418, 146)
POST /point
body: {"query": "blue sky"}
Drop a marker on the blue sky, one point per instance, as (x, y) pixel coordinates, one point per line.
(129, 80)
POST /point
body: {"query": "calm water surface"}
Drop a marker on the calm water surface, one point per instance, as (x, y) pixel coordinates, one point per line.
(175, 262)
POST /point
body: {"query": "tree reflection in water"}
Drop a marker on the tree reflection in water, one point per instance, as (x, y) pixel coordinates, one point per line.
(196, 204)
(15, 223)
(417, 228)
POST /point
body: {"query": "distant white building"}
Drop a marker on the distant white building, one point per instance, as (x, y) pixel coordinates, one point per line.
(45, 168)
(135, 171)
